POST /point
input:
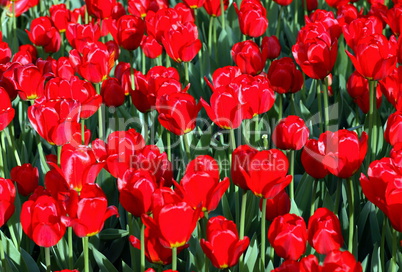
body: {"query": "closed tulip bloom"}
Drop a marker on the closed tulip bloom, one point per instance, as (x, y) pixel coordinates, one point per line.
(393, 195)
(130, 30)
(344, 151)
(7, 197)
(112, 93)
(290, 133)
(327, 18)
(270, 47)
(27, 178)
(324, 231)
(43, 33)
(150, 46)
(136, 189)
(284, 76)
(310, 263)
(213, 7)
(20, 7)
(181, 41)
(267, 173)
(341, 260)
(392, 133)
(60, 16)
(375, 56)
(223, 76)
(203, 164)
(42, 219)
(177, 112)
(30, 82)
(248, 57)
(78, 35)
(7, 112)
(252, 17)
(315, 50)
(391, 87)
(286, 230)
(358, 88)
(283, 2)
(394, 19)
(288, 266)
(161, 21)
(279, 205)
(175, 223)
(346, 13)
(194, 4)
(5, 52)
(360, 28)
(91, 211)
(312, 158)
(241, 157)
(100, 9)
(223, 246)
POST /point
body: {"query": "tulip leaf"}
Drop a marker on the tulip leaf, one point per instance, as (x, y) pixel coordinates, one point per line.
(111, 234)
(13, 253)
(126, 267)
(104, 264)
(294, 209)
(33, 267)
(61, 252)
(251, 256)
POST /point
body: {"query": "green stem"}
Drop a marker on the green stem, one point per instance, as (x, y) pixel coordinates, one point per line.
(42, 154)
(263, 238)
(338, 194)
(291, 172)
(13, 146)
(394, 249)
(131, 54)
(144, 63)
(100, 115)
(86, 253)
(372, 127)
(350, 194)
(243, 214)
(142, 241)
(70, 247)
(280, 106)
(145, 126)
(210, 28)
(324, 90)
(382, 254)
(6, 169)
(256, 129)
(130, 228)
(2, 170)
(174, 258)
(232, 143)
(187, 146)
(59, 155)
(62, 44)
(313, 197)
(168, 147)
(278, 24)
(47, 259)
(186, 76)
(223, 15)
(319, 105)
(83, 131)
(2, 254)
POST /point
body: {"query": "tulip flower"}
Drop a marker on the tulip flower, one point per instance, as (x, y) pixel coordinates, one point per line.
(7, 197)
(288, 266)
(91, 211)
(283, 2)
(270, 47)
(43, 33)
(136, 189)
(267, 173)
(392, 133)
(277, 206)
(315, 50)
(213, 7)
(177, 112)
(42, 219)
(312, 159)
(344, 260)
(159, 22)
(360, 28)
(6, 110)
(248, 56)
(20, 7)
(130, 30)
(284, 77)
(100, 8)
(5, 51)
(393, 19)
(79, 35)
(181, 41)
(223, 246)
(252, 17)
(392, 89)
(382, 60)
(223, 76)
(290, 133)
(30, 82)
(112, 93)
(310, 263)
(324, 231)
(150, 46)
(241, 157)
(393, 196)
(328, 20)
(346, 14)
(286, 230)
(60, 16)
(27, 178)
(171, 217)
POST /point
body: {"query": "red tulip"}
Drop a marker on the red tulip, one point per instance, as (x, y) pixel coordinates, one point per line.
(42, 219)
(241, 157)
(223, 246)
(161, 21)
(277, 206)
(194, 4)
(358, 88)
(310, 264)
(79, 35)
(311, 4)
(286, 230)
(100, 9)
(130, 30)
(177, 112)
(392, 133)
(393, 19)
(382, 60)
(290, 133)
(150, 46)
(169, 218)
(27, 178)
(112, 93)
(393, 196)
(93, 63)
(181, 41)
(341, 260)
(203, 164)
(43, 33)
(223, 76)
(336, 3)
(283, 2)
(21, 6)
(315, 50)
(60, 16)
(270, 47)
(91, 211)
(391, 87)
(327, 18)
(136, 189)
(7, 197)
(324, 231)
(312, 159)
(284, 77)
(248, 56)
(5, 51)
(288, 266)
(30, 82)
(6, 110)
(213, 7)
(346, 13)
(252, 16)
(267, 173)
(360, 28)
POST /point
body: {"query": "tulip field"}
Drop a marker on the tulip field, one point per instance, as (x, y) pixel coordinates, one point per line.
(201, 135)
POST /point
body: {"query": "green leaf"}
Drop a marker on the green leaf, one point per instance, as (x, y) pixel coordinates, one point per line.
(104, 264)
(111, 234)
(251, 256)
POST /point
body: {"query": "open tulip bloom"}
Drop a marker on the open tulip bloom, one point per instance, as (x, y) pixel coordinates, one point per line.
(200, 135)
